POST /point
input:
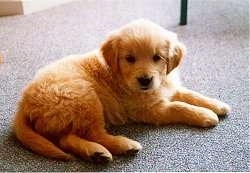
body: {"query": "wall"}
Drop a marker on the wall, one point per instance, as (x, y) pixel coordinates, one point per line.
(15, 7)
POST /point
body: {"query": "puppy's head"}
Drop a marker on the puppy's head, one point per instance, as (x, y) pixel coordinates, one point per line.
(142, 53)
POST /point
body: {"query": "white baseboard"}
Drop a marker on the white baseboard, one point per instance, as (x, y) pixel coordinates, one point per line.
(14, 7)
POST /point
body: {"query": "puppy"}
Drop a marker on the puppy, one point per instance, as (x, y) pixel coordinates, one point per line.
(131, 78)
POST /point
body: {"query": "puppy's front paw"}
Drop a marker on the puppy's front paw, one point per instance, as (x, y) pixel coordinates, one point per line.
(221, 108)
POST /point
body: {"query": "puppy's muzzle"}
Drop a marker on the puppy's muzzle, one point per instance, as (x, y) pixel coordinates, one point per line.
(145, 82)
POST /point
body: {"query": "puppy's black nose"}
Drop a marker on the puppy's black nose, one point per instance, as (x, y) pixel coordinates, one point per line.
(145, 81)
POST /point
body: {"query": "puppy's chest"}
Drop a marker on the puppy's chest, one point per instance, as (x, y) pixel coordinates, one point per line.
(132, 104)
(120, 108)
(144, 101)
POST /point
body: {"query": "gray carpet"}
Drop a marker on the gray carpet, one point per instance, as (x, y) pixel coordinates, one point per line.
(216, 65)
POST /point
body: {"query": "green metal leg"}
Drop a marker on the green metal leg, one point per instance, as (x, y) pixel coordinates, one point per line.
(183, 17)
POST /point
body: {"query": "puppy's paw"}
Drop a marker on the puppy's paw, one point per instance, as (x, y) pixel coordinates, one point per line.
(221, 108)
(208, 118)
(99, 154)
(134, 148)
(125, 146)
(101, 157)
(131, 147)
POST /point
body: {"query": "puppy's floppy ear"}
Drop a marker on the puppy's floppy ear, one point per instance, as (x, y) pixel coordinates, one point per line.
(176, 54)
(110, 52)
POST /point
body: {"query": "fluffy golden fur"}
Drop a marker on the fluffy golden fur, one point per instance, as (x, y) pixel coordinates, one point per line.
(131, 78)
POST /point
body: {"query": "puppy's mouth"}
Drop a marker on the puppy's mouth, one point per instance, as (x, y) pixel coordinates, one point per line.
(145, 88)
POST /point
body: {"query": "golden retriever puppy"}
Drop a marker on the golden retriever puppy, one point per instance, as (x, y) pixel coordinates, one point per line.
(131, 78)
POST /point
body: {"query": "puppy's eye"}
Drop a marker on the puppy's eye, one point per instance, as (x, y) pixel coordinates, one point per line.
(130, 59)
(156, 57)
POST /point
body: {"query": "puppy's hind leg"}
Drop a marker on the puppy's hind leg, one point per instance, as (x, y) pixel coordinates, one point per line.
(86, 149)
(117, 145)
(86, 113)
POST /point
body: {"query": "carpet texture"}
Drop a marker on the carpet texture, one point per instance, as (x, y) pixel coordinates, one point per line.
(217, 65)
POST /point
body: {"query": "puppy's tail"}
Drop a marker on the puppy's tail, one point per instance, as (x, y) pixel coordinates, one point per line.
(34, 141)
